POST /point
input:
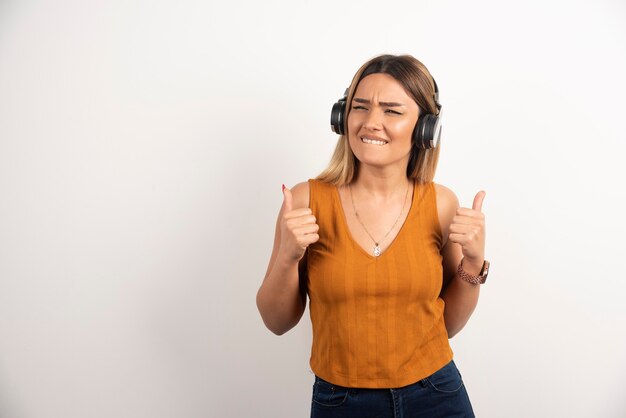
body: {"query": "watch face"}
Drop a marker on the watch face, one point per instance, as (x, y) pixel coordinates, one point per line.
(485, 271)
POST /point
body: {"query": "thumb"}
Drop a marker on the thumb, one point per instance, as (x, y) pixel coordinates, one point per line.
(287, 199)
(478, 201)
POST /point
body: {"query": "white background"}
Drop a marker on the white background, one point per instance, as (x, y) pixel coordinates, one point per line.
(143, 145)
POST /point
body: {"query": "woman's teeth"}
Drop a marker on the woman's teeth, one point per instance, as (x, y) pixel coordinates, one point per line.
(373, 141)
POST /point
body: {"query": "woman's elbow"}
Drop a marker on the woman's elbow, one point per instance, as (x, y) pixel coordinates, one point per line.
(454, 329)
(276, 323)
(276, 328)
(452, 333)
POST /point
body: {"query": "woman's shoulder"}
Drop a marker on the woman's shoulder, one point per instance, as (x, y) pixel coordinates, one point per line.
(300, 194)
(445, 197)
(447, 203)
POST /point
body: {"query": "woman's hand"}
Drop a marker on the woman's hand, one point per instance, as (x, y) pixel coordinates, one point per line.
(298, 229)
(468, 230)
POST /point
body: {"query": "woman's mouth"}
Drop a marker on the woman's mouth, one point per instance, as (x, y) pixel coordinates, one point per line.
(371, 141)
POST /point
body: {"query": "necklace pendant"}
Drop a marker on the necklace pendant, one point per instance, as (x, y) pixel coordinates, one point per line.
(376, 250)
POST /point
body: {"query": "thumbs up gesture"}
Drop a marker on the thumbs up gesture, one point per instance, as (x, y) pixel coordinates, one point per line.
(298, 229)
(468, 230)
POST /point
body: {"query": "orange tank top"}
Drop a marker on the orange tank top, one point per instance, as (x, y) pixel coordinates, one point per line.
(377, 321)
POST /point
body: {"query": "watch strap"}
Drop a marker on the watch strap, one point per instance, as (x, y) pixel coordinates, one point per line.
(480, 279)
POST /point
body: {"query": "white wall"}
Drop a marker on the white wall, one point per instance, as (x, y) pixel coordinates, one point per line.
(143, 145)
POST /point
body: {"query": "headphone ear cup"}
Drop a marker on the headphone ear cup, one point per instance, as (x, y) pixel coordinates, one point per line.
(337, 117)
(427, 132)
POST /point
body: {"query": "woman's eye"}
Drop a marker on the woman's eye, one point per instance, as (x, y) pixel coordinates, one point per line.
(358, 108)
(393, 112)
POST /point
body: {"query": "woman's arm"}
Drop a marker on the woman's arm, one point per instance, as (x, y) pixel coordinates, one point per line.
(281, 299)
(460, 296)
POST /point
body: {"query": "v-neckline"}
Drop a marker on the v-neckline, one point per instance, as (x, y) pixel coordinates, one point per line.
(344, 219)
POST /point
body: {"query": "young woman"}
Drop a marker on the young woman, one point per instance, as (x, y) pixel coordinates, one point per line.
(391, 263)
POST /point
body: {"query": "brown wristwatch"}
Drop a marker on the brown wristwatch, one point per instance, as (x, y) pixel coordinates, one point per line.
(480, 279)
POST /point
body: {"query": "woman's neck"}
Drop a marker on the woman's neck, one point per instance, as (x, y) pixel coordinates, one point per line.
(380, 184)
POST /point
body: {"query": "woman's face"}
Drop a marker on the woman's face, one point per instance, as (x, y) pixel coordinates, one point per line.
(381, 122)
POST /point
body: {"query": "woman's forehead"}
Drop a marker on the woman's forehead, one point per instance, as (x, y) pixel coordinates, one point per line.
(382, 88)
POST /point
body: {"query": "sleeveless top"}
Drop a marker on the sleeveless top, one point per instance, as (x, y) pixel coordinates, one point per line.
(377, 321)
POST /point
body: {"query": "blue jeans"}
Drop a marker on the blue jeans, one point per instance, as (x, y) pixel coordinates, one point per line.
(440, 395)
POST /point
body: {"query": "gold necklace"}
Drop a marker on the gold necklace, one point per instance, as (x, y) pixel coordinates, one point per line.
(377, 250)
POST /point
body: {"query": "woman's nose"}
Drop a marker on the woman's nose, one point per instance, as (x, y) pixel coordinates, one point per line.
(373, 120)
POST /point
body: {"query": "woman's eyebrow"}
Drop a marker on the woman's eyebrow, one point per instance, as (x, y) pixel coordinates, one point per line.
(386, 104)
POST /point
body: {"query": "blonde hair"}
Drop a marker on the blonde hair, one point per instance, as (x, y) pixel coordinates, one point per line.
(419, 85)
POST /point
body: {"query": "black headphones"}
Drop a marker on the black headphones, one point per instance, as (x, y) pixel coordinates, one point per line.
(427, 132)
